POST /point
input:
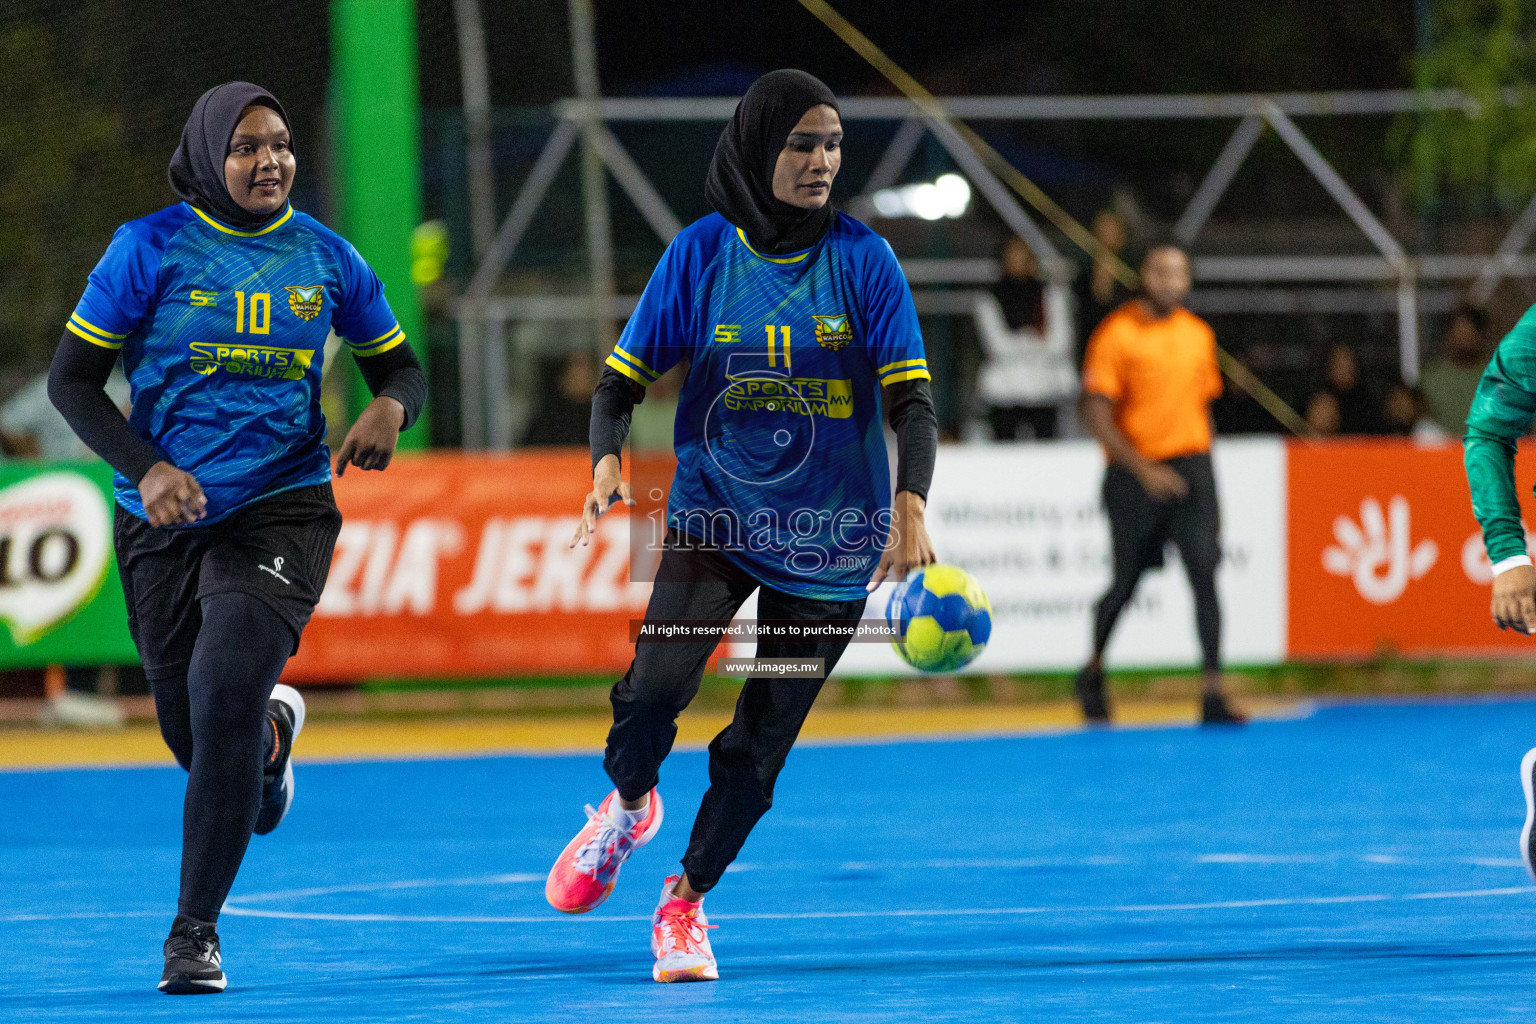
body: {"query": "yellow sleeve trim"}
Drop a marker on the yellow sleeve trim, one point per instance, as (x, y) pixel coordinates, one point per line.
(627, 370)
(380, 350)
(888, 367)
(375, 341)
(114, 346)
(643, 368)
(901, 375)
(83, 322)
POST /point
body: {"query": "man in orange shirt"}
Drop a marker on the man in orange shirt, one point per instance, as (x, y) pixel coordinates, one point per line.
(1148, 380)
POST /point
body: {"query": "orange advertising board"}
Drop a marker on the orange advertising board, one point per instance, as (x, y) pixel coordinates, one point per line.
(460, 565)
(1384, 553)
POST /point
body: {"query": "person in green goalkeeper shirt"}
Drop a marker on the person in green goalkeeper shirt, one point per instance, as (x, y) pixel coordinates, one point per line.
(1501, 414)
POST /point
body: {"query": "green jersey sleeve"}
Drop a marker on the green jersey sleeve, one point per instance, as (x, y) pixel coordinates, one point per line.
(1501, 415)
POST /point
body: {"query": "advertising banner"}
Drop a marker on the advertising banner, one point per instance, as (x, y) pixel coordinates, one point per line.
(60, 598)
(1385, 554)
(461, 565)
(1027, 521)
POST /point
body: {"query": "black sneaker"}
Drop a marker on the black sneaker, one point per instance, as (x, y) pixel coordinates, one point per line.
(1214, 710)
(192, 965)
(285, 717)
(1090, 694)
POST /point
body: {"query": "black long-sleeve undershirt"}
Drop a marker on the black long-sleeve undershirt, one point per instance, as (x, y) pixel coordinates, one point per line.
(396, 374)
(909, 411)
(77, 381)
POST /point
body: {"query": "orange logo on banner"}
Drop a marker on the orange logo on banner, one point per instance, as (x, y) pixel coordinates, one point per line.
(1385, 553)
(459, 565)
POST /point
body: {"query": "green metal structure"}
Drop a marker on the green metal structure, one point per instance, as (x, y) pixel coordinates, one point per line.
(378, 155)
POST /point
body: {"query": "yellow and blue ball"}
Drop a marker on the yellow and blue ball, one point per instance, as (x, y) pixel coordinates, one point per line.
(942, 619)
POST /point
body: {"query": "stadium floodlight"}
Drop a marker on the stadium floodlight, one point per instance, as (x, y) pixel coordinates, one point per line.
(949, 195)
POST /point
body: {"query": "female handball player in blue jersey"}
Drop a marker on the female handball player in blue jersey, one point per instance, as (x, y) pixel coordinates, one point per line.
(792, 319)
(220, 306)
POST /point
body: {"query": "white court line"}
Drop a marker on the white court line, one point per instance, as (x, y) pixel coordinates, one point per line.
(100, 915)
(414, 883)
(1204, 858)
(1133, 908)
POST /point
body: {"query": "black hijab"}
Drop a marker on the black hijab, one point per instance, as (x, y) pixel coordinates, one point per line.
(197, 166)
(740, 182)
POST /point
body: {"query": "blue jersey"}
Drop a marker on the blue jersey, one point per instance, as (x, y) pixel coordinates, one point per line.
(223, 335)
(781, 456)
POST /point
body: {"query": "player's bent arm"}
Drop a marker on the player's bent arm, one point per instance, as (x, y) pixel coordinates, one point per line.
(399, 389)
(77, 387)
(1500, 415)
(613, 404)
(77, 381)
(909, 410)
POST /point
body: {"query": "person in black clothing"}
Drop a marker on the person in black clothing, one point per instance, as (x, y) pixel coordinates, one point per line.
(1099, 291)
(1359, 410)
(562, 416)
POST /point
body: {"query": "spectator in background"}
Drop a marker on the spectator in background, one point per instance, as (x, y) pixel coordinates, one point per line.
(34, 429)
(1355, 409)
(1323, 413)
(1100, 292)
(1449, 383)
(565, 413)
(1026, 335)
(1402, 415)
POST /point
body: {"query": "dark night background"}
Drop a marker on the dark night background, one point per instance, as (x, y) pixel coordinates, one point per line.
(128, 72)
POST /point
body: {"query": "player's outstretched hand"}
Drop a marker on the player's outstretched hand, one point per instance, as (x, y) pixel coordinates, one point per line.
(907, 547)
(370, 444)
(1514, 599)
(171, 497)
(608, 486)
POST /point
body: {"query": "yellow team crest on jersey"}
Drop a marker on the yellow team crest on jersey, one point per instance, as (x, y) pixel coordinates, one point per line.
(306, 301)
(833, 332)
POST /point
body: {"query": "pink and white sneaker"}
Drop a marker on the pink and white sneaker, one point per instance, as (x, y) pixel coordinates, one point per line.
(680, 939)
(588, 868)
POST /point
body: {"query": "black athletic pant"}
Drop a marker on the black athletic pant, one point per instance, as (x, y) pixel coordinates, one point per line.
(1007, 419)
(213, 715)
(216, 611)
(693, 584)
(1140, 527)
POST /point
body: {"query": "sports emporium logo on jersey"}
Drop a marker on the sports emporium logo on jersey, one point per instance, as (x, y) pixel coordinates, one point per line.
(305, 301)
(833, 332)
(251, 360)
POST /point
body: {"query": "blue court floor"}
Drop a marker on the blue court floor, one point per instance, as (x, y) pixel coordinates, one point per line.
(1356, 865)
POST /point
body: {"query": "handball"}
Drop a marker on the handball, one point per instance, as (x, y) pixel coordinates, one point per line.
(942, 619)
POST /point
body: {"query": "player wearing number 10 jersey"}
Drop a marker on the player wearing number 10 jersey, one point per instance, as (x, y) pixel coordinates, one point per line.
(796, 326)
(220, 307)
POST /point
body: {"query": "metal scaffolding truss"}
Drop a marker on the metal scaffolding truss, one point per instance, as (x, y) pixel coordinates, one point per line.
(1392, 279)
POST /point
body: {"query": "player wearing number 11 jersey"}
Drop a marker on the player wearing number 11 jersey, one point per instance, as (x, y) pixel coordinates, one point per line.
(797, 328)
